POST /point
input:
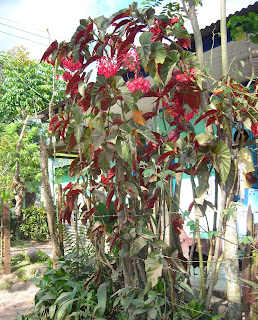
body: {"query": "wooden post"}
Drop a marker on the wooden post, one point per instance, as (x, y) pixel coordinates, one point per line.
(7, 244)
(2, 230)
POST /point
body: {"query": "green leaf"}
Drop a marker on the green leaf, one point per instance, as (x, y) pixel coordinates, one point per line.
(186, 287)
(226, 125)
(160, 244)
(153, 267)
(62, 309)
(77, 113)
(204, 139)
(97, 139)
(144, 50)
(98, 125)
(52, 311)
(158, 52)
(147, 173)
(146, 133)
(222, 159)
(127, 96)
(102, 298)
(78, 133)
(123, 151)
(169, 65)
(147, 233)
(137, 245)
(153, 313)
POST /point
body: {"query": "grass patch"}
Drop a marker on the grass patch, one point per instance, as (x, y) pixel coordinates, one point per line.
(7, 285)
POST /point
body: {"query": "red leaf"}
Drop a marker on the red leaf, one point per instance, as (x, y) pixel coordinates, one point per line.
(111, 174)
(173, 136)
(68, 186)
(206, 114)
(88, 281)
(149, 115)
(121, 15)
(191, 206)
(86, 215)
(96, 281)
(210, 121)
(109, 198)
(84, 33)
(53, 120)
(184, 43)
(164, 156)
(73, 83)
(193, 100)
(50, 49)
(126, 45)
(113, 241)
(254, 129)
(72, 143)
(121, 23)
(178, 223)
(98, 228)
(59, 123)
(174, 166)
(67, 214)
(104, 179)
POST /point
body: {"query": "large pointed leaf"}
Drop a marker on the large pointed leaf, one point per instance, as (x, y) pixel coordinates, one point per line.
(97, 139)
(169, 65)
(123, 151)
(222, 159)
(78, 133)
(144, 50)
(137, 245)
(62, 309)
(102, 298)
(153, 267)
(158, 52)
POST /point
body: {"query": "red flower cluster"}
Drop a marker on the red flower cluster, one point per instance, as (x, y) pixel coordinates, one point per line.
(67, 76)
(70, 65)
(107, 67)
(131, 60)
(139, 83)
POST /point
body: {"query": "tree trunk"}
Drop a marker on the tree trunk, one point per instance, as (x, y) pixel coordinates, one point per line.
(18, 184)
(231, 244)
(232, 271)
(51, 214)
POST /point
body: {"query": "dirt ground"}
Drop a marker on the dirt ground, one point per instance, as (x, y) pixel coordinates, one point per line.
(20, 297)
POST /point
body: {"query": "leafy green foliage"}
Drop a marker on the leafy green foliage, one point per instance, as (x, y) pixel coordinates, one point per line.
(29, 156)
(25, 85)
(34, 224)
(240, 26)
(195, 309)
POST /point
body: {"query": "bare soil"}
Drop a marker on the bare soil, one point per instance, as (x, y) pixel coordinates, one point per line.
(19, 298)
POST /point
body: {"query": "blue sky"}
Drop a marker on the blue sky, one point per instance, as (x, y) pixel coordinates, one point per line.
(61, 18)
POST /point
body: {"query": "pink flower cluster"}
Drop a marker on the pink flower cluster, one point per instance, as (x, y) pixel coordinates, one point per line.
(131, 60)
(138, 84)
(70, 65)
(67, 76)
(107, 67)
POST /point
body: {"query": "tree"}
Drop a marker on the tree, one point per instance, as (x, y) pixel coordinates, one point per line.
(26, 87)
(125, 167)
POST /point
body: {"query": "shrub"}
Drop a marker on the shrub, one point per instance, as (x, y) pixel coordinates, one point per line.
(34, 224)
